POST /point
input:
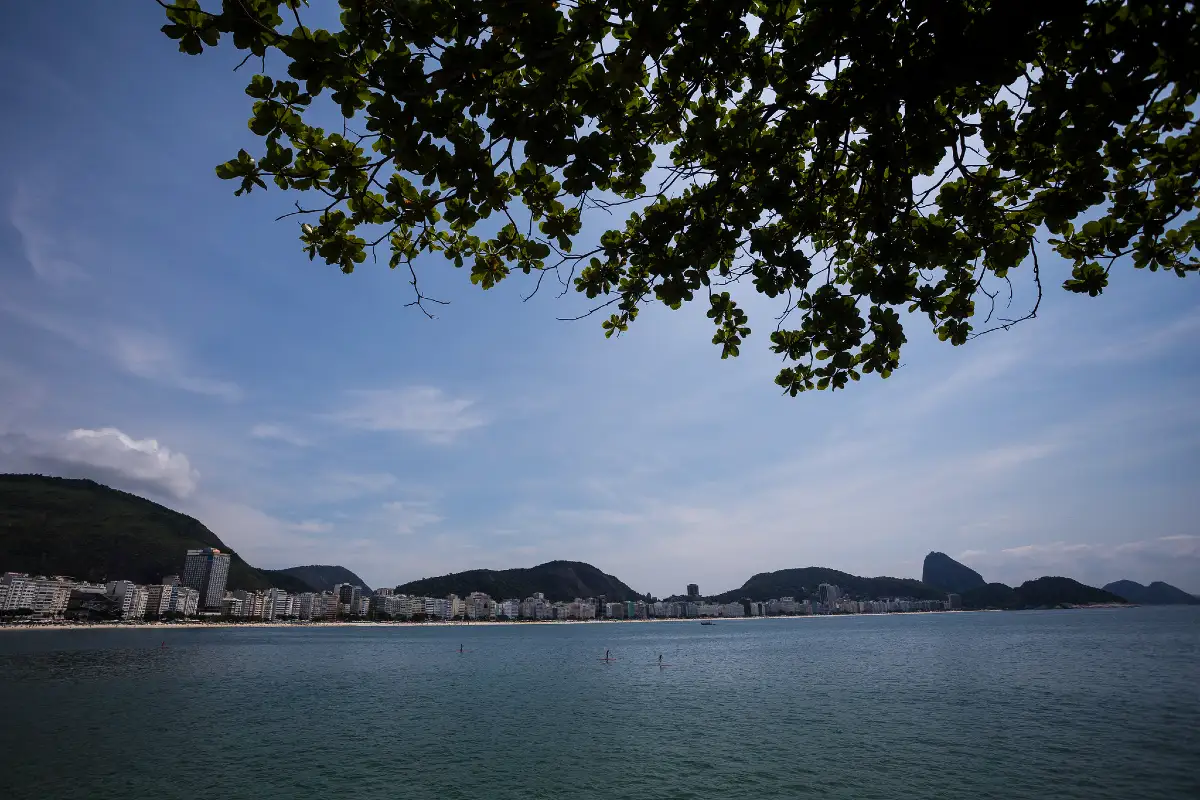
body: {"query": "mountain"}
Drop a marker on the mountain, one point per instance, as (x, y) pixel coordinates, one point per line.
(944, 572)
(804, 582)
(1047, 592)
(1156, 594)
(557, 580)
(80, 528)
(321, 577)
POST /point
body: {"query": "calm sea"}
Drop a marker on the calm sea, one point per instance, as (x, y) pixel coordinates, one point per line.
(1064, 704)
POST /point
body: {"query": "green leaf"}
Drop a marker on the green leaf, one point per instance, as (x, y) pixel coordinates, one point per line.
(843, 198)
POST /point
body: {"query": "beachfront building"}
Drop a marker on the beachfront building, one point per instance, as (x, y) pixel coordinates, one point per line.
(351, 599)
(231, 606)
(206, 570)
(133, 598)
(536, 607)
(480, 607)
(435, 608)
(43, 597)
(186, 601)
(278, 604)
(18, 591)
(158, 600)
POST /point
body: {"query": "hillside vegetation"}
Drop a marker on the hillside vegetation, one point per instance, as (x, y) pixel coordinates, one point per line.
(80, 528)
(1156, 594)
(321, 577)
(1047, 592)
(557, 580)
(804, 582)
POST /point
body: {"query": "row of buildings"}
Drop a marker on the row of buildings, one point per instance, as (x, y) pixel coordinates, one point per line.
(201, 591)
(60, 596)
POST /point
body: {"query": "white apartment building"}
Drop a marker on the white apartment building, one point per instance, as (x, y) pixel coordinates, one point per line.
(185, 601)
(480, 606)
(50, 596)
(18, 591)
(130, 596)
(275, 604)
(158, 599)
(231, 606)
(435, 607)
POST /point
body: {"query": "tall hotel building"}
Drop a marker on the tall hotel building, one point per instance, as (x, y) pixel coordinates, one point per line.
(206, 571)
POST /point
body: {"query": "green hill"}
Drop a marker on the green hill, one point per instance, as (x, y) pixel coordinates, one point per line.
(1156, 594)
(80, 528)
(557, 580)
(321, 577)
(1047, 592)
(804, 582)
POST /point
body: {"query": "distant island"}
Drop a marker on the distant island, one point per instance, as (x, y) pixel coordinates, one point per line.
(55, 526)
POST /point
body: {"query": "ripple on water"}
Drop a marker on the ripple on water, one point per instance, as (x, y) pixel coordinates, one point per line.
(1095, 704)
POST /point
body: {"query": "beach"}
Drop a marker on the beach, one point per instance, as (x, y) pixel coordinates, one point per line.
(92, 626)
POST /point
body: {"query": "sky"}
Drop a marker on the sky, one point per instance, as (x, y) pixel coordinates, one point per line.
(160, 335)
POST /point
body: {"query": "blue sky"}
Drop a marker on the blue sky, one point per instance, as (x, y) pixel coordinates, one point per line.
(161, 335)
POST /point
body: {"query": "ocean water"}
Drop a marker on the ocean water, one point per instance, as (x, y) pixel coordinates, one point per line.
(1066, 704)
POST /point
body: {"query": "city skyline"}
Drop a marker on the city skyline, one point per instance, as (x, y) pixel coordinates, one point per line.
(48, 599)
(165, 338)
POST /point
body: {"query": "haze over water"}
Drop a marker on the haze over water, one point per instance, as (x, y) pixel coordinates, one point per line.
(1068, 704)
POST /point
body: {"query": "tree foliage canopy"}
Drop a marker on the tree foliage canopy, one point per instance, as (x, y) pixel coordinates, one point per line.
(858, 159)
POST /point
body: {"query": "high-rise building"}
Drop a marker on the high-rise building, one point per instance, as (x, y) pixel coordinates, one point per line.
(206, 571)
(693, 591)
(158, 599)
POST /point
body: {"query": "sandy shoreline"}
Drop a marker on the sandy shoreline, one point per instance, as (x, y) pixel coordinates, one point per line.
(131, 626)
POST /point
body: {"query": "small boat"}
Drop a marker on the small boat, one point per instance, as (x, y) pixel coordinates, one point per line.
(708, 622)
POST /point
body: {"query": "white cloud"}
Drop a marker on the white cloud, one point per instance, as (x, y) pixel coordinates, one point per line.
(145, 355)
(312, 526)
(278, 433)
(1011, 456)
(336, 487)
(1148, 342)
(422, 410)
(48, 253)
(407, 517)
(106, 455)
(154, 358)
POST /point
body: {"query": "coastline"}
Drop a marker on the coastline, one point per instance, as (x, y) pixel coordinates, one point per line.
(73, 626)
